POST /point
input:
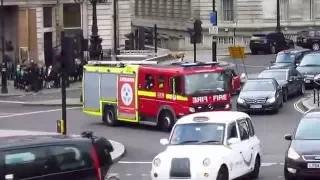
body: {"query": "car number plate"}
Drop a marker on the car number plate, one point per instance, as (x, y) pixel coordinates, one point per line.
(307, 81)
(257, 106)
(314, 165)
(256, 41)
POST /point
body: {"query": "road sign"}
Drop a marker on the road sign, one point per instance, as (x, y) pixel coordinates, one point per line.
(214, 30)
(237, 52)
(214, 18)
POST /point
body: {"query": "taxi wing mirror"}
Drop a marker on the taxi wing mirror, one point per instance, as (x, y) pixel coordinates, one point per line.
(243, 78)
(234, 140)
(164, 141)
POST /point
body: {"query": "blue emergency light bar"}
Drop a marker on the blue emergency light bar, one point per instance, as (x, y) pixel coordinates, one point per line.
(196, 64)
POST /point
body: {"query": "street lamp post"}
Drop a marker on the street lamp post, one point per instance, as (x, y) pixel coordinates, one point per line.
(95, 47)
(4, 88)
(278, 29)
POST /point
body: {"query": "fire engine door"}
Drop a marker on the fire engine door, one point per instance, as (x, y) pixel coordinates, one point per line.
(127, 97)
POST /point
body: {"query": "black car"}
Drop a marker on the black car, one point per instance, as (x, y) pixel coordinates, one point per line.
(309, 39)
(269, 43)
(260, 94)
(290, 80)
(309, 67)
(289, 58)
(302, 158)
(51, 156)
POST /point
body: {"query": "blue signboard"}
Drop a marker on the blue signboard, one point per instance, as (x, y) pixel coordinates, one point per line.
(214, 18)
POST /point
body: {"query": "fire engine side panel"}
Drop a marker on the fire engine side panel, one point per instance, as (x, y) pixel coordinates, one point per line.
(108, 87)
(91, 91)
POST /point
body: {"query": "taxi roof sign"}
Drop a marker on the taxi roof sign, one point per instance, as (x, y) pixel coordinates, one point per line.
(200, 119)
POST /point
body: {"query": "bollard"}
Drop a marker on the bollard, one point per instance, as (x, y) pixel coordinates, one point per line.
(314, 96)
(318, 97)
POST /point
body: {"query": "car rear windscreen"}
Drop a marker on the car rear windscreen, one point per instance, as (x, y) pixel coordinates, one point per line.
(258, 36)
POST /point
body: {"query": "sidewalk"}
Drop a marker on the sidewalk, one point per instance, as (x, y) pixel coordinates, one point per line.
(119, 151)
(18, 92)
(308, 102)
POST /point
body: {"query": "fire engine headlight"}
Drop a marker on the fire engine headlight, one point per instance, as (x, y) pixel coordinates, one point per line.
(206, 162)
(157, 162)
(191, 109)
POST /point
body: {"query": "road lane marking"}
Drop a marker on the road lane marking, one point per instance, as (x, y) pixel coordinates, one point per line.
(36, 112)
(296, 106)
(145, 162)
(13, 102)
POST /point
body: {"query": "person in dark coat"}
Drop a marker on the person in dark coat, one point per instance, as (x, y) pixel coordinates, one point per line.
(104, 149)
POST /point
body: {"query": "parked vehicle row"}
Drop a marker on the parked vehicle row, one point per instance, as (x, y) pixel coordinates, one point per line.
(227, 148)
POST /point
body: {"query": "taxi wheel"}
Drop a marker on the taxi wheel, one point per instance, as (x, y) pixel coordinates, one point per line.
(223, 174)
(165, 121)
(109, 116)
(255, 173)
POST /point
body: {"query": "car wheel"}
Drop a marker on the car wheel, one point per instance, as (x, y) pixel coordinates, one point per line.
(255, 173)
(223, 174)
(302, 89)
(272, 49)
(287, 176)
(109, 116)
(165, 121)
(254, 52)
(285, 95)
(315, 47)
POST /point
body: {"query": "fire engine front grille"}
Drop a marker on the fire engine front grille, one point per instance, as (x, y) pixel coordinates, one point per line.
(208, 107)
(256, 101)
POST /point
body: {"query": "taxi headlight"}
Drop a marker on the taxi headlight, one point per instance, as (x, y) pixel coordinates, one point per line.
(206, 162)
(292, 154)
(240, 101)
(157, 162)
(271, 100)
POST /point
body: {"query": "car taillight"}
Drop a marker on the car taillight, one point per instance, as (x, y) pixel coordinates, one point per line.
(96, 163)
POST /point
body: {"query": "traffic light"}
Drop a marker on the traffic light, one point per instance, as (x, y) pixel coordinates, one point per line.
(198, 31)
(129, 42)
(148, 34)
(195, 32)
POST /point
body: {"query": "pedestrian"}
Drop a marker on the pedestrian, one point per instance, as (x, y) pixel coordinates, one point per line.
(104, 149)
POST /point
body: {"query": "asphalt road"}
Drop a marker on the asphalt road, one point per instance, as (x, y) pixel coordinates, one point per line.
(142, 142)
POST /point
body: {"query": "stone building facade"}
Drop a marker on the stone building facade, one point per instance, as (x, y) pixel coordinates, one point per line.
(246, 16)
(34, 26)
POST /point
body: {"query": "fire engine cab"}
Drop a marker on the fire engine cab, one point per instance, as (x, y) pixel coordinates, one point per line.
(154, 91)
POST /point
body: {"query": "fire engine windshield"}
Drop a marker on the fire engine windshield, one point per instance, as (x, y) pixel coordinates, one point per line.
(203, 83)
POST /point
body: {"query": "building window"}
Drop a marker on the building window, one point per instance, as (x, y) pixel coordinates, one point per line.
(71, 15)
(47, 17)
(227, 10)
(284, 9)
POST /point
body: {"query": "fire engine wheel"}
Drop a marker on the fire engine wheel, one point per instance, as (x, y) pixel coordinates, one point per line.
(109, 116)
(165, 121)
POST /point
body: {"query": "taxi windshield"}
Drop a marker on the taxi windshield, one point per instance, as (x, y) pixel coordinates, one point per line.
(198, 133)
(285, 58)
(203, 83)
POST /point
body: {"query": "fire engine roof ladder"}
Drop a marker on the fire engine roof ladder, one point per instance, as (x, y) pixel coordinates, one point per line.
(166, 59)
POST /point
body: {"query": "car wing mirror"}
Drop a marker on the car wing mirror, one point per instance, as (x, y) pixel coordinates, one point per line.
(288, 137)
(164, 141)
(243, 78)
(233, 141)
(291, 79)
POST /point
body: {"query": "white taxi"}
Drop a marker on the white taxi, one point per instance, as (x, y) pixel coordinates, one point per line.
(210, 145)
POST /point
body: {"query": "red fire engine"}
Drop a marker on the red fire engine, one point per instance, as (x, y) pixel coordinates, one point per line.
(157, 90)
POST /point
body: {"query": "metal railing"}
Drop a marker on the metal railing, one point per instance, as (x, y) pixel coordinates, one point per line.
(316, 98)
